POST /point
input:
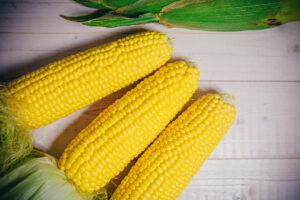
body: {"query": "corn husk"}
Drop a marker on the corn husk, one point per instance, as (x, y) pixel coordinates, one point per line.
(84, 18)
(115, 4)
(105, 4)
(224, 15)
(215, 15)
(38, 178)
(131, 8)
(143, 6)
(91, 3)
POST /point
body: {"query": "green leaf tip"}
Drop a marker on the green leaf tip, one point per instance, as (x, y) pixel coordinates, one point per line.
(88, 17)
(123, 21)
(92, 3)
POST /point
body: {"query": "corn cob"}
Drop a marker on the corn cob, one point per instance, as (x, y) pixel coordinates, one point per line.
(63, 87)
(167, 166)
(213, 15)
(124, 129)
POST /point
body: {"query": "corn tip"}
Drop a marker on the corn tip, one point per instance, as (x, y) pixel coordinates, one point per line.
(227, 98)
(169, 42)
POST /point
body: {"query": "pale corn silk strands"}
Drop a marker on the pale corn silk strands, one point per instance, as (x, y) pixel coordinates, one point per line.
(15, 140)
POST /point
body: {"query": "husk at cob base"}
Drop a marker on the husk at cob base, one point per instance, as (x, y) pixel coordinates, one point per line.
(37, 177)
(26, 173)
(213, 15)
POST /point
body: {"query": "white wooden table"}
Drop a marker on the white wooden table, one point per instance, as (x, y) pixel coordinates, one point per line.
(259, 158)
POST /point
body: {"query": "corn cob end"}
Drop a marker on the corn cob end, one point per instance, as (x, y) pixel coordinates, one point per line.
(227, 98)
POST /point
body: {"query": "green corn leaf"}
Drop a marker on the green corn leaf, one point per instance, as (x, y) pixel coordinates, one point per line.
(92, 3)
(114, 4)
(88, 17)
(144, 6)
(110, 4)
(115, 22)
(38, 178)
(233, 15)
(212, 15)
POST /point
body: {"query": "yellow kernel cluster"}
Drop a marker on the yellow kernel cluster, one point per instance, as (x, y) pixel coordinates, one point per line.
(127, 127)
(167, 166)
(65, 86)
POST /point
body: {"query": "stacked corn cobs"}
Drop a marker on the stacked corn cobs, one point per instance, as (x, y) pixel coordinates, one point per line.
(122, 131)
(214, 15)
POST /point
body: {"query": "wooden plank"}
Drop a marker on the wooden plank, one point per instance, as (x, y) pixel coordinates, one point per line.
(32, 17)
(245, 59)
(242, 179)
(245, 179)
(43, 15)
(27, 33)
(266, 127)
(242, 190)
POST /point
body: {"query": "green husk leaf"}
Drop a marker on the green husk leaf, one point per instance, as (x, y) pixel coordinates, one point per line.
(88, 17)
(114, 4)
(212, 15)
(111, 4)
(38, 178)
(115, 22)
(92, 3)
(144, 6)
(15, 140)
(234, 15)
(289, 11)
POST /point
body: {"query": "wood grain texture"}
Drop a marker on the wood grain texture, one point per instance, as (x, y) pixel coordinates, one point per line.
(258, 159)
(262, 55)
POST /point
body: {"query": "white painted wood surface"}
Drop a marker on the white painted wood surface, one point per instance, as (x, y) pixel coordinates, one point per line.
(259, 158)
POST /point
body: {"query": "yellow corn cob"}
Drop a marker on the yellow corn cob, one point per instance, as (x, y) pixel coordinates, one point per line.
(167, 166)
(127, 127)
(63, 87)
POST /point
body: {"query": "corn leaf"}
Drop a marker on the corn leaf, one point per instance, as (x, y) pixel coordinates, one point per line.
(234, 15)
(122, 21)
(88, 17)
(38, 178)
(144, 6)
(92, 3)
(114, 4)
